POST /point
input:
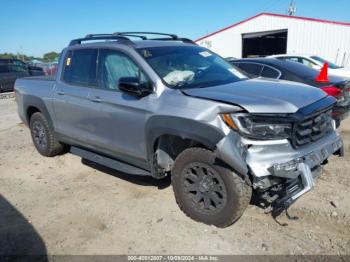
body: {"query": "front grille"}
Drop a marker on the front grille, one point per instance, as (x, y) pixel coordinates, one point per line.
(312, 128)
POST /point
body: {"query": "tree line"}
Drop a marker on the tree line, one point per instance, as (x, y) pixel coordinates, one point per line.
(48, 57)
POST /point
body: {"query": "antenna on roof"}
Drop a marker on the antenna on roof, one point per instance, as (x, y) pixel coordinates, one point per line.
(292, 9)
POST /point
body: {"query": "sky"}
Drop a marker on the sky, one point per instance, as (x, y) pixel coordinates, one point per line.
(35, 27)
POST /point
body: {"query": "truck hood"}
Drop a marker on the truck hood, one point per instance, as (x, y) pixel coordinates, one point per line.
(262, 95)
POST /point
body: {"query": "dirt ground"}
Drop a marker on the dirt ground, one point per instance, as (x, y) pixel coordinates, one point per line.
(62, 206)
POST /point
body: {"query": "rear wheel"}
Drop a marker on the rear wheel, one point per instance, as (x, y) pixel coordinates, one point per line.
(43, 136)
(206, 190)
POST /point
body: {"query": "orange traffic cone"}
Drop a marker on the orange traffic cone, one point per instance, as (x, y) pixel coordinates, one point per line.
(323, 76)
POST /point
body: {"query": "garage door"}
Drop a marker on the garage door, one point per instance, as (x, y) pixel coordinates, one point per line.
(264, 43)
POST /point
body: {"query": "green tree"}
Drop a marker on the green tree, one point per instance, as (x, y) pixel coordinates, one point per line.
(51, 56)
(20, 56)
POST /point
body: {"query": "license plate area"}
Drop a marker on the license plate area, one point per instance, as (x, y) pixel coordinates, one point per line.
(317, 157)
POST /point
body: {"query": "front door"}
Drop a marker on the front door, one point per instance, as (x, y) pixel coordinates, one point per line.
(121, 118)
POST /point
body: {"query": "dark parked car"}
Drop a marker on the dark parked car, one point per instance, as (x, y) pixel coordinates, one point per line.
(35, 70)
(11, 69)
(335, 86)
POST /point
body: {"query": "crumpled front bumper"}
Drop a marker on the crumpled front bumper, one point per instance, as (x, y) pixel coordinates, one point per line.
(276, 164)
(261, 156)
(281, 162)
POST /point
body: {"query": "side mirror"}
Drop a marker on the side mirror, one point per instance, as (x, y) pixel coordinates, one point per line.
(132, 86)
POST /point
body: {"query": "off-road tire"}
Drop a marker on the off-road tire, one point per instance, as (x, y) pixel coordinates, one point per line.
(236, 187)
(51, 147)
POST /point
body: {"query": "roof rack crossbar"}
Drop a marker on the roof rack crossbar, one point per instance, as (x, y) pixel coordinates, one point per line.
(93, 37)
(173, 36)
(96, 35)
(133, 35)
(123, 37)
(185, 40)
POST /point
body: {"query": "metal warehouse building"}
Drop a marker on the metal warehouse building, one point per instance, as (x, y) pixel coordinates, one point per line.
(268, 34)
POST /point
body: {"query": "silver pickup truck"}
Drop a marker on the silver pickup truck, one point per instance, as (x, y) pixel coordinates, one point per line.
(164, 106)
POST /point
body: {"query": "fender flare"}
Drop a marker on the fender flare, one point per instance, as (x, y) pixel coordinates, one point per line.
(185, 128)
(33, 101)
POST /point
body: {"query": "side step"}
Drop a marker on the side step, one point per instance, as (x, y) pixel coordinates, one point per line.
(109, 162)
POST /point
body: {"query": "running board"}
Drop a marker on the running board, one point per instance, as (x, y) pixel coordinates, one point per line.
(109, 162)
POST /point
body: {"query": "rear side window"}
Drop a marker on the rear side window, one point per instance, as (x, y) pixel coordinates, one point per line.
(269, 72)
(291, 59)
(80, 67)
(253, 70)
(235, 64)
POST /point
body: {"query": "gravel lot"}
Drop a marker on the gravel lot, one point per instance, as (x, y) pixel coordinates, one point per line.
(62, 206)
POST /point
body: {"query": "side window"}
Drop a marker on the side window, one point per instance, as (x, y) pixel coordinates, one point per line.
(80, 67)
(236, 64)
(308, 62)
(253, 70)
(269, 72)
(290, 59)
(113, 65)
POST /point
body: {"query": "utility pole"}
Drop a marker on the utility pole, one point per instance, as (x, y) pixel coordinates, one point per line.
(292, 9)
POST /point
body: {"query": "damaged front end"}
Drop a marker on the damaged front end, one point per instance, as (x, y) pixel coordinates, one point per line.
(283, 170)
(278, 193)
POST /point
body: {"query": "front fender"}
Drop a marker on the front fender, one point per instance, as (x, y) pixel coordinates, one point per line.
(157, 126)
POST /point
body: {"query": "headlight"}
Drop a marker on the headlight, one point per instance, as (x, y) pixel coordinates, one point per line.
(259, 127)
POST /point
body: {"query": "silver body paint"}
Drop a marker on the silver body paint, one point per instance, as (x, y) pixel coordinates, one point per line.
(116, 124)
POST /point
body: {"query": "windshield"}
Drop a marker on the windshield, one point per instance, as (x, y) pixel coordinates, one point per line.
(330, 64)
(190, 66)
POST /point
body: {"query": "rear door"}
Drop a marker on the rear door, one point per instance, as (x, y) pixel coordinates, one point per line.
(73, 113)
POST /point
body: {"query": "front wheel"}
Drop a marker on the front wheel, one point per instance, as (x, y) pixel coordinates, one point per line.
(208, 191)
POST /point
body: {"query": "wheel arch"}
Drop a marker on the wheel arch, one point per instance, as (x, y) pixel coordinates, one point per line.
(168, 136)
(158, 126)
(34, 104)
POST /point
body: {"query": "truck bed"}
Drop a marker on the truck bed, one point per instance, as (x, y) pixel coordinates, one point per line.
(41, 78)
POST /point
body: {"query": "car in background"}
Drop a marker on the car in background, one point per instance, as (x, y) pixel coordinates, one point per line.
(35, 70)
(48, 68)
(335, 86)
(315, 62)
(12, 69)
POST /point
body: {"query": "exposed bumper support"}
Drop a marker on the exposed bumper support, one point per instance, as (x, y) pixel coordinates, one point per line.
(281, 174)
(306, 178)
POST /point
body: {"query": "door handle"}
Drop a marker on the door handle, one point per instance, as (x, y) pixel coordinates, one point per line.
(96, 99)
(61, 93)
